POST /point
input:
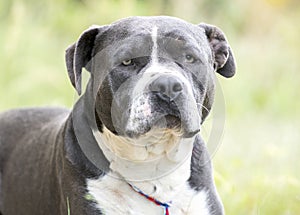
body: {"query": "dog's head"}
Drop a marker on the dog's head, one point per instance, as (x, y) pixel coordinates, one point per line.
(151, 73)
(158, 72)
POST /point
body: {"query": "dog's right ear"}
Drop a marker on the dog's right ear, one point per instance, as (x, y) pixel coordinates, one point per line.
(79, 54)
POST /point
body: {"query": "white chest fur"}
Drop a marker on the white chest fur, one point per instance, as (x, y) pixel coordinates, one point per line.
(115, 197)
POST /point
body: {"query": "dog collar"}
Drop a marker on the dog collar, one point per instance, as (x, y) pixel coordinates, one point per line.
(151, 199)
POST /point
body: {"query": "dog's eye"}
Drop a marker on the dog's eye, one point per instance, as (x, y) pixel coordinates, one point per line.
(127, 62)
(190, 58)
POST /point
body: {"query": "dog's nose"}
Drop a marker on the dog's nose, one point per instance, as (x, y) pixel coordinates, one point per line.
(168, 88)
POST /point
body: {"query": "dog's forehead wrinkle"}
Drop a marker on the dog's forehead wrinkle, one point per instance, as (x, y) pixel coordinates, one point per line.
(181, 36)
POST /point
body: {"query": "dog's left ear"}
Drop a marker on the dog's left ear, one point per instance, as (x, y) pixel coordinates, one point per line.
(224, 60)
(79, 54)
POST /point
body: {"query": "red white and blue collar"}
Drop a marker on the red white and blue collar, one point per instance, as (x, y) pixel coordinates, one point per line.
(151, 199)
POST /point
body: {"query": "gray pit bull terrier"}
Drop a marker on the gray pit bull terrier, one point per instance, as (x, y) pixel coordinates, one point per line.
(131, 143)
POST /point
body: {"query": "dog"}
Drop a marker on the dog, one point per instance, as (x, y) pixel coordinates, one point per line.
(131, 143)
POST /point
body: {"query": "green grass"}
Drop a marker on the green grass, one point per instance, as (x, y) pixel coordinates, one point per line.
(257, 167)
(257, 164)
(68, 206)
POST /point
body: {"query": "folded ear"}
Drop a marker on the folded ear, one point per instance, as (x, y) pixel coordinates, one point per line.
(79, 54)
(224, 60)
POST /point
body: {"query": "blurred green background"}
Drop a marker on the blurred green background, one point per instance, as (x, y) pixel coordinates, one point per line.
(257, 166)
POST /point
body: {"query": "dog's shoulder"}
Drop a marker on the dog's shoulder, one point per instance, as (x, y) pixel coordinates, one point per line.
(17, 124)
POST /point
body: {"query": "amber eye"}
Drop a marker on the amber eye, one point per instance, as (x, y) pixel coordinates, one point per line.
(189, 58)
(127, 62)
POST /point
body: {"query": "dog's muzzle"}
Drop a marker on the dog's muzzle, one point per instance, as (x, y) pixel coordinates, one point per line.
(165, 104)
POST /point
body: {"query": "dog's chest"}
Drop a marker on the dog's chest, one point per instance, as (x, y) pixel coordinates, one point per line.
(114, 196)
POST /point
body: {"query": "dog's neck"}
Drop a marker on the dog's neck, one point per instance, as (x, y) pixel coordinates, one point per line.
(156, 163)
(163, 189)
(151, 146)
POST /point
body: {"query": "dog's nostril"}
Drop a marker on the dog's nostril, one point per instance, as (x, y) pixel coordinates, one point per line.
(177, 87)
(161, 88)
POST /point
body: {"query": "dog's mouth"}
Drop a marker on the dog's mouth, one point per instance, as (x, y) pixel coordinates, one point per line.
(172, 122)
(164, 122)
(135, 116)
(166, 114)
(175, 123)
(156, 114)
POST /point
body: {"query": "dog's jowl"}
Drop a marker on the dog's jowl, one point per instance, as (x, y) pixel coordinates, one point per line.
(131, 143)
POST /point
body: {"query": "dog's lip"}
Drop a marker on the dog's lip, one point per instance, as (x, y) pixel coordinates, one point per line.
(135, 134)
(169, 122)
(190, 134)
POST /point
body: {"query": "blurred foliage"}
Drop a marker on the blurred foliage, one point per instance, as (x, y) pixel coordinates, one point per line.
(257, 165)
